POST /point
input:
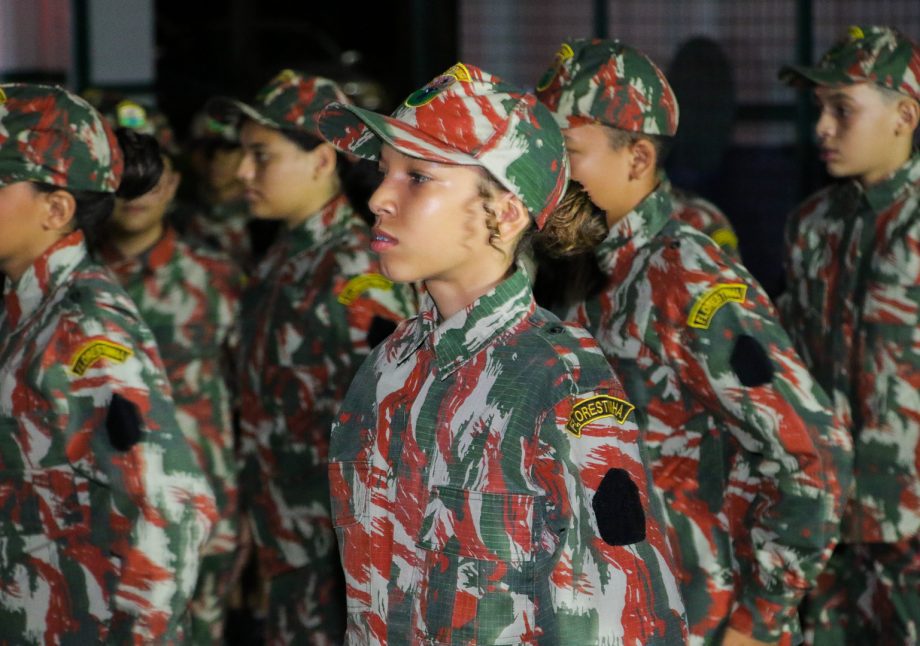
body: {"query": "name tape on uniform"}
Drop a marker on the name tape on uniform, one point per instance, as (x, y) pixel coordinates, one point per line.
(583, 413)
(709, 303)
(360, 284)
(89, 354)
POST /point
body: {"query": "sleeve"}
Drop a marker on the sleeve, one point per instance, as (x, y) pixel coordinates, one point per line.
(147, 493)
(794, 458)
(614, 577)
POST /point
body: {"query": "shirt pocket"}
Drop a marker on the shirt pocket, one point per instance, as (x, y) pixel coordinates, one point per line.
(477, 578)
(350, 499)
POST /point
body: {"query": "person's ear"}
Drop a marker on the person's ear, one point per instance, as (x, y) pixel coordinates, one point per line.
(324, 160)
(644, 158)
(173, 179)
(908, 116)
(61, 209)
(513, 217)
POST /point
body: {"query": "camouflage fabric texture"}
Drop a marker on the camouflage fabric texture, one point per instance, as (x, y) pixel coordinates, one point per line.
(104, 506)
(290, 101)
(52, 136)
(465, 116)
(703, 215)
(310, 315)
(611, 83)
(488, 488)
(222, 227)
(873, 54)
(190, 300)
(744, 451)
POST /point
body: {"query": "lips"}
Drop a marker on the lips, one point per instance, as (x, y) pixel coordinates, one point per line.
(381, 241)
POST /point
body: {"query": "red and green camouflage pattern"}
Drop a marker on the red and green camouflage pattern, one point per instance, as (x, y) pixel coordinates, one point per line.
(290, 101)
(852, 306)
(312, 311)
(702, 215)
(190, 300)
(879, 55)
(611, 83)
(49, 135)
(470, 463)
(103, 508)
(223, 227)
(470, 117)
(745, 454)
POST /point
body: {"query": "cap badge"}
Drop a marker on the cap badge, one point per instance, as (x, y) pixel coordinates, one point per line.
(130, 115)
(440, 83)
(565, 53)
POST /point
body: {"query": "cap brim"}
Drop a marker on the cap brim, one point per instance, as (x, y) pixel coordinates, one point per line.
(802, 76)
(362, 133)
(232, 111)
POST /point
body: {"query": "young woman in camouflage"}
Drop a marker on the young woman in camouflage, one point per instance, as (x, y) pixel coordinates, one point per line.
(103, 508)
(745, 453)
(853, 307)
(190, 299)
(487, 481)
(314, 308)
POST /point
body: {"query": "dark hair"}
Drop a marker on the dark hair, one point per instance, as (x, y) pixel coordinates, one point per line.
(143, 163)
(92, 212)
(358, 181)
(620, 138)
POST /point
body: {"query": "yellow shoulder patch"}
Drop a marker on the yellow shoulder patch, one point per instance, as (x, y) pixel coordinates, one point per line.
(856, 33)
(84, 358)
(725, 238)
(583, 413)
(360, 284)
(709, 303)
(2, 96)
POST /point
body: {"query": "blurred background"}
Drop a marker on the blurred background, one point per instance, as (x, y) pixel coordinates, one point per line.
(745, 140)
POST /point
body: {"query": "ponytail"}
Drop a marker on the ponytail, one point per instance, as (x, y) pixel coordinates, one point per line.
(574, 227)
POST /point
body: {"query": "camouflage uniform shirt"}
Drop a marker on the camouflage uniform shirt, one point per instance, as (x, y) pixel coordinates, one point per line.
(311, 313)
(853, 308)
(190, 299)
(103, 505)
(223, 227)
(471, 466)
(741, 441)
(703, 215)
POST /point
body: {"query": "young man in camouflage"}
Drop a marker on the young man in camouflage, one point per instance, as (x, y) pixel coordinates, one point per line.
(190, 300)
(314, 308)
(104, 508)
(742, 443)
(487, 482)
(853, 307)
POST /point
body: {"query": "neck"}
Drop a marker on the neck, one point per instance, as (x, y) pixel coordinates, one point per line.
(320, 198)
(451, 296)
(131, 245)
(14, 266)
(638, 191)
(881, 174)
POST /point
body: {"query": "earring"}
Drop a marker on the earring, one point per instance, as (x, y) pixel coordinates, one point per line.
(495, 236)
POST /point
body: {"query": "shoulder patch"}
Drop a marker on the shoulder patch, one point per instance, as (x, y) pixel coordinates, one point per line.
(2, 96)
(360, 284)
(583, 413)
(84, 358)
(714, 298)
(725, 237)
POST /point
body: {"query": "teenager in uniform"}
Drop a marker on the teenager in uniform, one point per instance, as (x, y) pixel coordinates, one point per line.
(104, 507)
(487, 482)
(313, 309)
(744, 452)
(853, 308)
(190, 299)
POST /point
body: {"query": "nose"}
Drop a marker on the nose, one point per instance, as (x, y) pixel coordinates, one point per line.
(246, 169)
(825, 126)
(383, 201)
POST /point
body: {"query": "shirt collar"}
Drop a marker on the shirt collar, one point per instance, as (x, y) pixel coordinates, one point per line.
(635, 230)
(904, 180)
(319, 227)
(157, 256)
(459, 338)
(48, 272)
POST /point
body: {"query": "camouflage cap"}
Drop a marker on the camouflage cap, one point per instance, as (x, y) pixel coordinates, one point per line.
(466, 116)
(879, 55)
(52, 136)
(607, 82)
(290, 101)
(204, 128)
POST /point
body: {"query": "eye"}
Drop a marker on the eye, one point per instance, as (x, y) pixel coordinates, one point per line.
(418, 178)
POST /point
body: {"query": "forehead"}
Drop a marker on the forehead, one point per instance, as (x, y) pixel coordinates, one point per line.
(855, 92)
(255, 134)
(586, 135)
